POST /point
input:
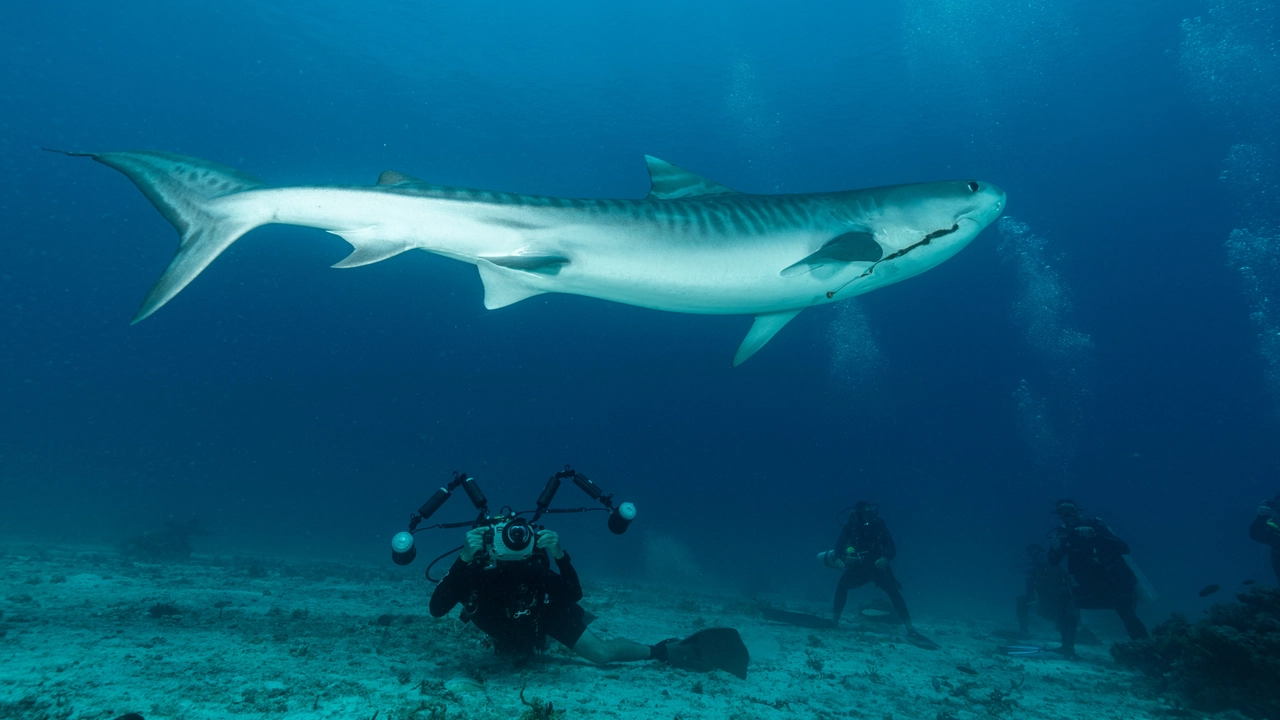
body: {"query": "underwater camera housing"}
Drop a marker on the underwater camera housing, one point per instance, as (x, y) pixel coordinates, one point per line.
(508, 536)
(511, 540)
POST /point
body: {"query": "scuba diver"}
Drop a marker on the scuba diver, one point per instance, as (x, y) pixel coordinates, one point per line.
(503, 580)
(1266, 529)
(1044, 585)
(1101, 577)
(864, 551)
(1044, 588)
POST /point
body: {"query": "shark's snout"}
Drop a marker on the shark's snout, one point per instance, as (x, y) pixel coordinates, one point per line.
(990, 204)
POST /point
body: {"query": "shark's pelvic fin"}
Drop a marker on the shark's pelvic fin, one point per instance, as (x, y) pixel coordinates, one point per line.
(186, 191)
(503, 286)
(766, 326)
(850, 247)
(668, 182)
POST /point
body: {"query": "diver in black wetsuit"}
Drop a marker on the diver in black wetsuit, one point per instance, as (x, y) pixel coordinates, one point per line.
(520, 603)
(1102, 579)
(864, 550)
(1045, 583)
(1266, 529)
(504, 582)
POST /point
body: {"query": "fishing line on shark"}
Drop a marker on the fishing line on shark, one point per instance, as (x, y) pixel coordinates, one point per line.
(927, 239)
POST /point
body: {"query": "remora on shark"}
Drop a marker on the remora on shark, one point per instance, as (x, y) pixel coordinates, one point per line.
(692, 245)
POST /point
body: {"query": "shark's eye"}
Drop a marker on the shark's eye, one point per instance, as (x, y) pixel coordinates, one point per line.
(973, 186)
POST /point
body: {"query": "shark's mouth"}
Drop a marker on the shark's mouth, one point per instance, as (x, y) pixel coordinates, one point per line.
(893, 256)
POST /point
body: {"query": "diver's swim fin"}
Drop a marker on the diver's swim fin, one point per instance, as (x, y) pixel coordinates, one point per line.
(710, 649)
(794, 618)
(915, 637)
(1032, 652)
(1019, 649)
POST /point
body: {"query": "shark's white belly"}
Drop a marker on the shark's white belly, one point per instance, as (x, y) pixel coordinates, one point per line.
(673, 271)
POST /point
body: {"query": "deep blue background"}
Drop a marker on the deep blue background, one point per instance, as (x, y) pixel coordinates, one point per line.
(294, 408)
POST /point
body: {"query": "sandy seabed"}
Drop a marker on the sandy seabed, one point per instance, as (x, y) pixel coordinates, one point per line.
(85, 633)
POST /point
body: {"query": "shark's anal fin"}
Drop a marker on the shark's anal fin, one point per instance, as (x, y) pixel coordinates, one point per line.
(367, 247)
(766, 326)
(668, 182)
(850, 247)
(503, 286)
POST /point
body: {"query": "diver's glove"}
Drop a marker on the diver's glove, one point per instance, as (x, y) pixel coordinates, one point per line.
(550, 541)
(1085, 531)
(1266, 510)
(473, 544)
(882, 563)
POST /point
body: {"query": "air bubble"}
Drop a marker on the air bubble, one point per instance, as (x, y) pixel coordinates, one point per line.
(857, 362)
(1040, 311)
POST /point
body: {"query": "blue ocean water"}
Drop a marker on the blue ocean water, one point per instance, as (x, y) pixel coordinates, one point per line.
(1110, 340)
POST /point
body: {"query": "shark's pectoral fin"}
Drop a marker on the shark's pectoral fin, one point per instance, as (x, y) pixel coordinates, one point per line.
(503, 286)
(766, 326)
(545, 264)
(367, 247)
(668, 182)
(850, 247)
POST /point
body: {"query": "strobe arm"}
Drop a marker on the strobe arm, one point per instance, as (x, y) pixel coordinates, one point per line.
(620, 517)
(402, 549)
(436, 501)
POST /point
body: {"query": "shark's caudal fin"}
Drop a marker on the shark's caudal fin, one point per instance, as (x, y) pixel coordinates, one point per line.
(766, 326)
(185, 190)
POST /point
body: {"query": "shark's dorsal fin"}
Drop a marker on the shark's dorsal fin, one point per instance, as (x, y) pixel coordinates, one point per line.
(668, 182)
(391, 177)
(857, 246)
(766, 326)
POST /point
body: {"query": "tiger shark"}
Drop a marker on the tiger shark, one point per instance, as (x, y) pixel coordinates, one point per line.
(692, 245)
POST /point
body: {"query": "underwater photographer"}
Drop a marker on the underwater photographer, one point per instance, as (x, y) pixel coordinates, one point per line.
(504, 582)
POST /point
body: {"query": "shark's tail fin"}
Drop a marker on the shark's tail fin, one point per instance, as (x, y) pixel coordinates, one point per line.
(187, 191)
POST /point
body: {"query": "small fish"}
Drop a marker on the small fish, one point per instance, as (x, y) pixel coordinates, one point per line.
(937, 685)
(1250, 582)
(1209, 590)
(966, 669)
